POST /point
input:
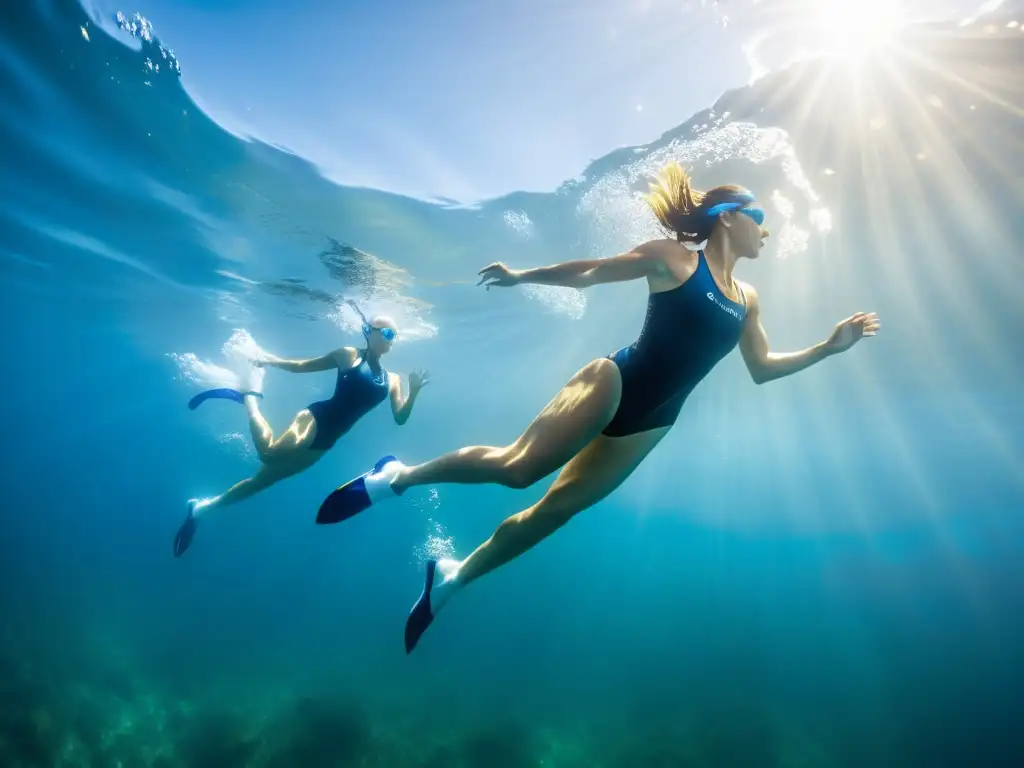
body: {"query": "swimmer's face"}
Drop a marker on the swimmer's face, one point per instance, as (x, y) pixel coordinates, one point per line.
(381, 336)
(747, 235)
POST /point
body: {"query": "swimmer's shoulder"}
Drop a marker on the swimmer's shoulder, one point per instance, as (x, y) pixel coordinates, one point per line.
(345, 357)
(676, 262)
(662, 247)
(753, 301)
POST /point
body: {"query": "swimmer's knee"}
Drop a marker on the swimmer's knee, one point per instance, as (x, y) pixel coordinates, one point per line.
(520, 473)
(268, 454)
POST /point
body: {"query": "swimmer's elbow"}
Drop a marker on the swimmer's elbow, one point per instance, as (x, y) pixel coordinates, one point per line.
(759, 373)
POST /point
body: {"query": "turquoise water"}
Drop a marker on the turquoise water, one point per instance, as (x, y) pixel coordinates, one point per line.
(822, 571)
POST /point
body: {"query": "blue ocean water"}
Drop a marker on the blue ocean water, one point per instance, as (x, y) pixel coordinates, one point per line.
(822, 571)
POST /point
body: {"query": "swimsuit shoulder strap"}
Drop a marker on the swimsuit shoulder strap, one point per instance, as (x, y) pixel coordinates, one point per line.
(739, 286)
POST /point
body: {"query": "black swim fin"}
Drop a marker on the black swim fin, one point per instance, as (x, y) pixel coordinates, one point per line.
(183, 538)
(421, 616)
(353, 497)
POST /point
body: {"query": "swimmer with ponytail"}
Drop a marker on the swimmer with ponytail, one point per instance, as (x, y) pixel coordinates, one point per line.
(616, 409)
(362, 384)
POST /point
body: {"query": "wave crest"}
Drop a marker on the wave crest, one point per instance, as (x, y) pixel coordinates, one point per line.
(139, 27)
(617, 218)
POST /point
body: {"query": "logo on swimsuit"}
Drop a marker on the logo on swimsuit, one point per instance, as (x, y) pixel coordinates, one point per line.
(730, 310)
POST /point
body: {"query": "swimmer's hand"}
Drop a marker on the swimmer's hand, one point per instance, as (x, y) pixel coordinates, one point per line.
(264, 361)
(499, 275)
(851, 330)
(418, 380)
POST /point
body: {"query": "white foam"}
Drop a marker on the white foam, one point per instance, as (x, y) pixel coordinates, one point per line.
(519, 222)
(406, 312)
(203, 373)
(237, 443)
(790, 240)
(240, 350)
(782, 204)
(821, 219)
(141, 29)
(616, 218)
(237, 373)
(438, 545)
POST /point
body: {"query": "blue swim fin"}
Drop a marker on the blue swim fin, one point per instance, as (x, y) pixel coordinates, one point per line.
(224, 393)
(359, 494)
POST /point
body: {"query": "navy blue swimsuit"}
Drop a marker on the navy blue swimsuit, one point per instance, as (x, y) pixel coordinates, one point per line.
(359, 389)
(686, 332)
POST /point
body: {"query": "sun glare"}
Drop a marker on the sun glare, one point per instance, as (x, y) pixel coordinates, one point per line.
(855, 28)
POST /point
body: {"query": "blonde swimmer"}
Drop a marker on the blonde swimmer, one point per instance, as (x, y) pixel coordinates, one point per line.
(616, 409)
(362, 384)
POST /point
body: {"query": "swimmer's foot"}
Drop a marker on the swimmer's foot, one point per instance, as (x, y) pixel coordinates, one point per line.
(187, 531)
(223, 393)
(358, 495)
(440, 583)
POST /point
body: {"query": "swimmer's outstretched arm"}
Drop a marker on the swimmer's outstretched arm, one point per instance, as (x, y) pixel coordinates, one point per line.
(312, 365)
(643, 261)
(765, 365)
(401, 408)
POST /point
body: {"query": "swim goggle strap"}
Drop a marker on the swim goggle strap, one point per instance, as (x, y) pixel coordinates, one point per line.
(756, 212)
(388, 333)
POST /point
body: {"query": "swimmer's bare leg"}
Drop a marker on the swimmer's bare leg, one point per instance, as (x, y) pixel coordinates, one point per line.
(259, 428)
(590, 476)
(578, 413)
(287, 456)
(566, 425)
(265, 477)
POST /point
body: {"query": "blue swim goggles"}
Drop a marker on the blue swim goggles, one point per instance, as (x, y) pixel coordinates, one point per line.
(389, 334)
(756, 213)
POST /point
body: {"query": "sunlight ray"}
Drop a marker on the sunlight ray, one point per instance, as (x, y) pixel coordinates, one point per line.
(945, 281)
(888, 166)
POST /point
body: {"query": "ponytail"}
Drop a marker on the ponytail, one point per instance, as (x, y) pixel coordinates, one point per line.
(676, 203)
(683, 210)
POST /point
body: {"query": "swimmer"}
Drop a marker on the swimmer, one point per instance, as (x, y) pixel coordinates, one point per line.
(362, 384)
(616, 409)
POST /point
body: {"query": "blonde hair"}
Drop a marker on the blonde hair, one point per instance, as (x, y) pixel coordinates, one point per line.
(383, 321)
(680, 208)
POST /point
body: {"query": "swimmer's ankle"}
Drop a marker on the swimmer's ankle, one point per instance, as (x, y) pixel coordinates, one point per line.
(202, 505)
(446, 583)
(400, 483)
